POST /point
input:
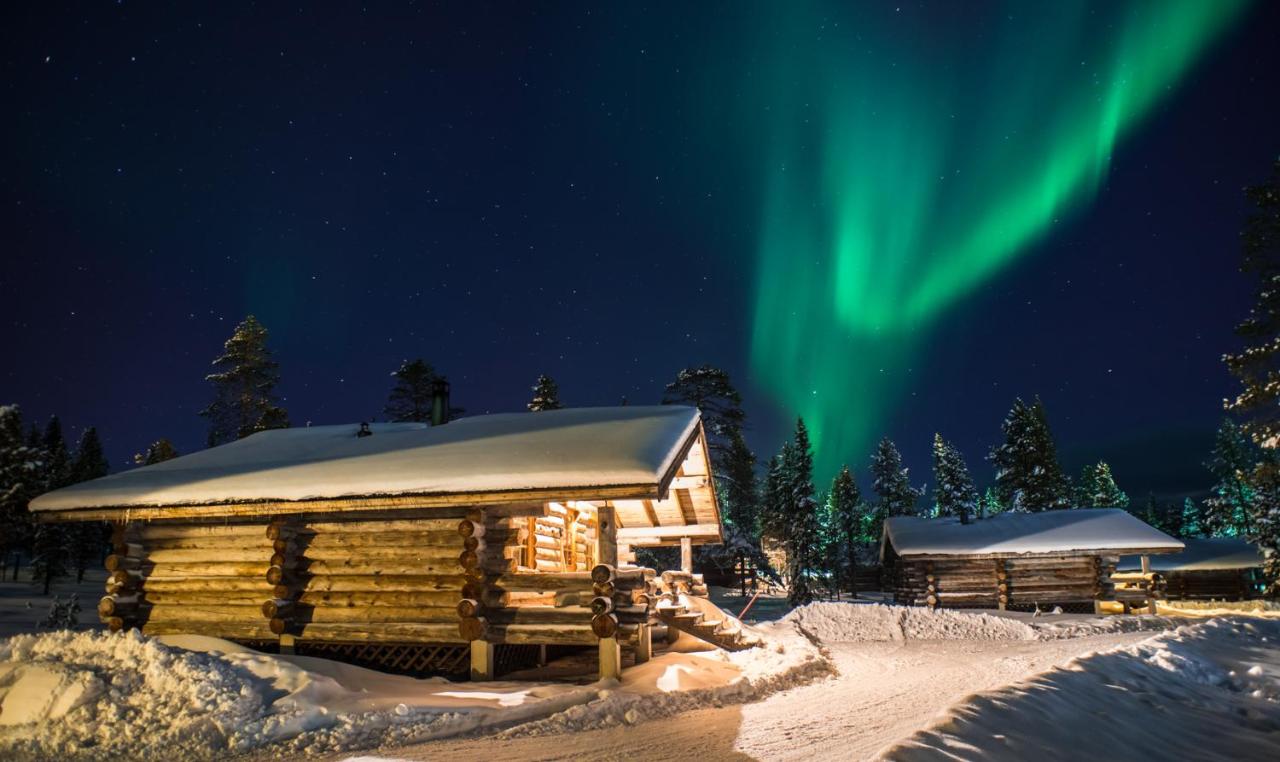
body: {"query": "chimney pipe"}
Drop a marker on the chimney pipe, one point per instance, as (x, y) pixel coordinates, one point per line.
(440, 402)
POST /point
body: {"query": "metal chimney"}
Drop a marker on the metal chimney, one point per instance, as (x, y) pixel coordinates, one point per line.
(439, 402)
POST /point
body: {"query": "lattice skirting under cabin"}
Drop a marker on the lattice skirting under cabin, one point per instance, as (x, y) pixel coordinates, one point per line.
(414, 659)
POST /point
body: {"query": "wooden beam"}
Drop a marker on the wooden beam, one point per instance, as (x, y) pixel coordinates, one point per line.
(690, 482)
(639, 491)
(610, 659)
(686, 555)
(606, 536)
(644, 644)
(676, 532)
(481, 660)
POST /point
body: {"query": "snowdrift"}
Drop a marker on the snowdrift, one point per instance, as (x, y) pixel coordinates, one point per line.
(1203, 691)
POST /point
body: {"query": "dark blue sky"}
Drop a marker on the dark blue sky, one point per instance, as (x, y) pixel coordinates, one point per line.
(507, 191)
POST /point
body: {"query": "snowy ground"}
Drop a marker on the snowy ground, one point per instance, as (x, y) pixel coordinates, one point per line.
(837, 681)
(23, 606)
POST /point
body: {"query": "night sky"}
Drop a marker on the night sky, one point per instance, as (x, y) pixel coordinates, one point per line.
(607, 194)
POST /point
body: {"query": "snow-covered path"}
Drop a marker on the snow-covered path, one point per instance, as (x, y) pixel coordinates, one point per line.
(885, 692)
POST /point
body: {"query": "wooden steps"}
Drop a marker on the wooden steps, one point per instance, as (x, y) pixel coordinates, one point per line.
(712, 631)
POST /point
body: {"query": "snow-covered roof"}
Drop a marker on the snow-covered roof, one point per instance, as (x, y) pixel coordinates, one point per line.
(622, 451)
(1203, 554)
(1016, 534)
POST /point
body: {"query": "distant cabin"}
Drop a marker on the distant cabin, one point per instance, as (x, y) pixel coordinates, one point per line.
(1014, 561)
(1209, 568)
(406, 545)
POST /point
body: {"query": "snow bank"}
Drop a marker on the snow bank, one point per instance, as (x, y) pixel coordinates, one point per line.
(1012, 534)
(1202, 691)
(855, 622)
(93, 695)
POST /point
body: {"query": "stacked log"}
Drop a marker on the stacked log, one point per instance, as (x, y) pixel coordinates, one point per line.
(1054, 580)
(1001, 582)
(1213, 585)
(378, 580)
(683, 583)
(168, 577)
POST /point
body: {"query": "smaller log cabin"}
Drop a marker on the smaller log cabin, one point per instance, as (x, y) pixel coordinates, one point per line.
(1016, 561)
(1208, 569)
(410, 546)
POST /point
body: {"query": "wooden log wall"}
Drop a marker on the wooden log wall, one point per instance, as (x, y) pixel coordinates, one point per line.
(1002, 583)
(562, 540)
(372, 579)
(168, 577)
(438, 576)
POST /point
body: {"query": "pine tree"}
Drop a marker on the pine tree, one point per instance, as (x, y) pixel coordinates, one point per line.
(546, 395)
(157, 452)
(1257, 367)
(48, 554)
(738, 491)
(1230, 503)
(803, 535)
(22, 477)
(244, 382)
(710, 390)
(1264, 521)
(1028, 475)
(891, 482)
(955, 493)
(57, 460)
(989, 504)
(1191, 523)
(845, 516)
(1097, 488)
(85, 540)
(413, 393)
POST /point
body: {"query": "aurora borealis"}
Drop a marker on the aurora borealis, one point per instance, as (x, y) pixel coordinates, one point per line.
(888, 196)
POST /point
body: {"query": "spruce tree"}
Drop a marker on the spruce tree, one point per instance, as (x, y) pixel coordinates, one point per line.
(1191, 524)
(411, 396)
(738, 491)
(710, 390)
(1231, 500)
(1028, 475)
(1098, 489)
(1257, 366)
(244, 382)
(57, 460)
(22, 477)
(845, 517)
(157, 452)
(85, 540)
(803, 535)
(891, 482)
(989, 504)
(1264, 520)
(546, 395)
(955, 493)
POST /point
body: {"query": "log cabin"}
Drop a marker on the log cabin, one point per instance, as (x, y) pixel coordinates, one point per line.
(1209, 568)
(1015, 561)
(428, 549)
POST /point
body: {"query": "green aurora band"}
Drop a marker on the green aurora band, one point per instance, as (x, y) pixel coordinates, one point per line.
(907, 169)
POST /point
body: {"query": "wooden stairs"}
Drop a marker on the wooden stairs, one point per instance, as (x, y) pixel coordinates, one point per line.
(713, 630)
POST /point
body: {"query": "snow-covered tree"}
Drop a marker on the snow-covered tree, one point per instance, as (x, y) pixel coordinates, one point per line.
(1028, 475)
(1257, 366)
(1264, 520)
(157, 452)
(803, 537)
(1232, 461)
(244, 382)
(710, 390)
(1097, 488)
(1191, 524)
(891, 482)
(845, 513)
(22, 477)
(954, 493)
(989, 504)
(546, 395)
(737, 488)
(414, 392)
(57, 459)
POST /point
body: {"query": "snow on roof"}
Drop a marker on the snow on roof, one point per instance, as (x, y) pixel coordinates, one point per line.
(574, 448)
(1012, 534)
(1203, 554)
